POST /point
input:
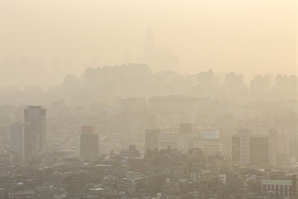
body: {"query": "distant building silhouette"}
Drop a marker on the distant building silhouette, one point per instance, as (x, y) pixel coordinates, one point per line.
(16, 145)
(260, 83)
(151, 139)
(254, 149)
(285, 83)
(35, 131)
(158, 58)
(233, 81)
(89, 142)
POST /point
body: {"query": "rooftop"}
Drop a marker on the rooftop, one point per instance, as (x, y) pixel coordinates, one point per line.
(277, 182)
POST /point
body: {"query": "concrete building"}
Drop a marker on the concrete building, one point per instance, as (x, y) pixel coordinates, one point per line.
(278, 188)
(255, 149)
(151, 139)
(291, 148)
(209, 146)
(16, 143)
(89, 142)
(130, 182)
(35, 131)
(210, 142)
(173, 140)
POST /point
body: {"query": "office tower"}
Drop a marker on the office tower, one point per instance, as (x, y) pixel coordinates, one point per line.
(35, 131)
(151, 139)
(235, 148)
(291, 148)
(16, 143)
(185, 128)
(174, 141)
(89, 142)
(210, 144)
(244, 135)
(255, 149)
(259, 150)
(272, 139)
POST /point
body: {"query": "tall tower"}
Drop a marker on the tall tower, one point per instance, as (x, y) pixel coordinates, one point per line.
(244, 135)
(272, 140)
(89, 142)
(16, 143)
(35, 131)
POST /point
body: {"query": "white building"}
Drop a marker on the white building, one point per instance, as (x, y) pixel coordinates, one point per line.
(209, 146)
(277, 187)
(173, 140)
(211, 134)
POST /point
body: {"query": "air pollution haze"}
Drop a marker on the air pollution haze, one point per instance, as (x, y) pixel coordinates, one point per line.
(149, 99)
(244, 37)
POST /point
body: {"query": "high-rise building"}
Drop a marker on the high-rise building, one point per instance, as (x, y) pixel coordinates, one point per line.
(235, 148)
(151, 139)
(255, 149)
(16, 143)
(291, 148)
(244, 135)
(272, 139)
(35, 131)
(89, 142)
(173, 140)
(210, 144)
(158, 58)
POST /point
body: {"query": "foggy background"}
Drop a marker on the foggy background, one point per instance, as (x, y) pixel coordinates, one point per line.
(67, 37)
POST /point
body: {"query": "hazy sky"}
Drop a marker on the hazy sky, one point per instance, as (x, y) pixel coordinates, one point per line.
(254, 37)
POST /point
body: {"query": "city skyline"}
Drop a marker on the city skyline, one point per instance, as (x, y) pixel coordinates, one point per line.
(251, 43)
(149, 99)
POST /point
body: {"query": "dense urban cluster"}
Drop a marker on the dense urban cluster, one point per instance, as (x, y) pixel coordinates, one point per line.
(125, 132)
